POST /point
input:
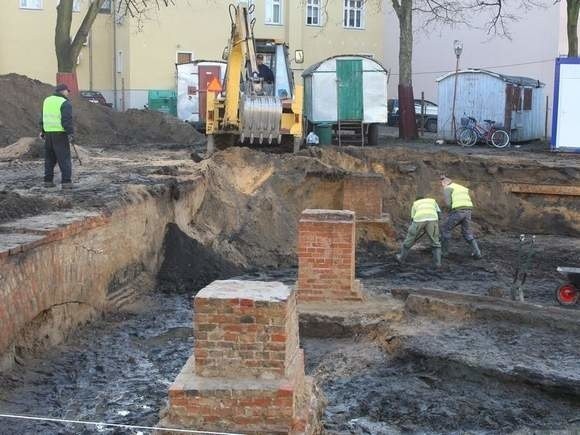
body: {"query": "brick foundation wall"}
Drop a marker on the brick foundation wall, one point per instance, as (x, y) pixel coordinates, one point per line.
(363, 194)
(326, 256)
(243, 335)
(247, 370)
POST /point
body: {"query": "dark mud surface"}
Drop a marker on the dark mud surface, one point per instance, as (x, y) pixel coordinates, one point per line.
(419, 395)
(118, 369)
(14, 206)
(461, 273)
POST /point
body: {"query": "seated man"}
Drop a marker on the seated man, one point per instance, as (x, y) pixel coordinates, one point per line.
(264, 71)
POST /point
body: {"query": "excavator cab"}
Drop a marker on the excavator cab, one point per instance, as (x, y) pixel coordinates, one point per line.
(246, 109)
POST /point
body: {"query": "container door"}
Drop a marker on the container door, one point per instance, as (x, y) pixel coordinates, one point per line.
(350, 89)
(206, 75)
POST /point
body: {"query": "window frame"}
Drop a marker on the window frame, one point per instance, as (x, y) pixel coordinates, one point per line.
(29, 8)
(269, 13)
(347, 9)
(106, 9)
(318, 7)
(178, 52)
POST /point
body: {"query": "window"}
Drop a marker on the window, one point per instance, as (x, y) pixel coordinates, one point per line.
(76, 5)
(105, 7)
(353, 14)
(527, 99)
(313, 12)
(273, 12)
(30, 4)
(184, 57)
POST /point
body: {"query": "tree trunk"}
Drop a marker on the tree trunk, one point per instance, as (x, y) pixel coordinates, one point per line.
(67, 50)
(573, 7)
(407, 118)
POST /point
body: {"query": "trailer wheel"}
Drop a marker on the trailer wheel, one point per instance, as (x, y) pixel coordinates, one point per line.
(373, 134)
(567, 295)
(431, 126)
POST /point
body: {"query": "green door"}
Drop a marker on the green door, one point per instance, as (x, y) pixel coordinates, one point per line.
(350, 89)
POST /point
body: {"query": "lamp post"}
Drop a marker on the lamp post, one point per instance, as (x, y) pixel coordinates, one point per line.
(458, 49)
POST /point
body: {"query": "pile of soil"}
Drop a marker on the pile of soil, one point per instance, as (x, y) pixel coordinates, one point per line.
(24, 148)
(15, 206)
(189, 266)
(20, 109)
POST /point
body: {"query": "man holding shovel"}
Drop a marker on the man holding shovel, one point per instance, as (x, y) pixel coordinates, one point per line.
(57, 130)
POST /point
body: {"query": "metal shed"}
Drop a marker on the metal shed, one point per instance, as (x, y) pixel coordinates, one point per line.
(515, 102)
(193, 79)
(346, 90)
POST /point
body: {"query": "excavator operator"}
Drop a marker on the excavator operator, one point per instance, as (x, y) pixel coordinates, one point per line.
(264, 71)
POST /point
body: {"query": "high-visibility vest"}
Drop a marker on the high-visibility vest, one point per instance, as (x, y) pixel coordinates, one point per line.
(460, 197)
(425, 210)
(51, 116)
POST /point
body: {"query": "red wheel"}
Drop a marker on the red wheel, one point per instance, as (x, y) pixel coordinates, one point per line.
(567, 294)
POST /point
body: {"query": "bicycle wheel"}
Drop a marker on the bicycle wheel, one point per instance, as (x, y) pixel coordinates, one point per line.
(500, 139)
(466, 137)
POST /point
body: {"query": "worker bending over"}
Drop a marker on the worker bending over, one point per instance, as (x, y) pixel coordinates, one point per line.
(425, 220)
(459, 202)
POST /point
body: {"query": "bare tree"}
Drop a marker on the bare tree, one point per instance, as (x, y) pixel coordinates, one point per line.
(69, 47)
(572, 9)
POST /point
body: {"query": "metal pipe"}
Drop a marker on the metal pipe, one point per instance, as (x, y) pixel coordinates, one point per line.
(114, 15)
(91, 60)
(453, 119)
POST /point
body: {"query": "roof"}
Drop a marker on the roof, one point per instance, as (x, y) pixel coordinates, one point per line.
(312, 68)
(514, 80)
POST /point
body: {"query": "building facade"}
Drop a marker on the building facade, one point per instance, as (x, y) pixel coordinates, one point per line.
(126, 57)
(536, 38)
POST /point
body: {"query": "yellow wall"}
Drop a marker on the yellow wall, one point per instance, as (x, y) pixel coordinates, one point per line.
(150, 45)
(27, 44)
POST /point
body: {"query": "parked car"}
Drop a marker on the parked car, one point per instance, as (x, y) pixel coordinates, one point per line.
(95, 97)
(430, 114)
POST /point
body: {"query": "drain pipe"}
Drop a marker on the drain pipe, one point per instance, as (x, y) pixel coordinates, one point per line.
(91, 60)
(114, 15)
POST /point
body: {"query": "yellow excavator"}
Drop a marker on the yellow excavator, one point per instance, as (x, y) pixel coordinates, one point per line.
(246, 109)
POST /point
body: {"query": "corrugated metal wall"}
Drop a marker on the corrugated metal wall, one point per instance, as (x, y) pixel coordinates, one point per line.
(479, 95)
(530, 124)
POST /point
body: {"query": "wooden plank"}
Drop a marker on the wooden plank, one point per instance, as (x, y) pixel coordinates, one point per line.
(544, 189)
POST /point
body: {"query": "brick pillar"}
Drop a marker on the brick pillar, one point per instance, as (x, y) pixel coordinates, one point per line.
(247, 370)
(326, 256)
(363, 194)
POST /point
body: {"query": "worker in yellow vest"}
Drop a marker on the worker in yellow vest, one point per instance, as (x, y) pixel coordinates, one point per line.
(57, 131)
(458, 200)
(424, 220)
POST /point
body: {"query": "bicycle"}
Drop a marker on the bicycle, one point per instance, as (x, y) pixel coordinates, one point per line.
(472, 131)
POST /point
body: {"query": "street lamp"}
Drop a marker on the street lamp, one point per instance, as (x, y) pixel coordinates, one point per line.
(458, 49)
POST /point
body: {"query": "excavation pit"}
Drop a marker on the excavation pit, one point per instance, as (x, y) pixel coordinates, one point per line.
(401, 367)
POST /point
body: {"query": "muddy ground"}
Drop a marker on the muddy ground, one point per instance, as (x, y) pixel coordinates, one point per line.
(118, 368)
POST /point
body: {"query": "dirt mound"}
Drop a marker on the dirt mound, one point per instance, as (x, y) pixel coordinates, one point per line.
(188, 266)
(23, 149)
(14, 206)
(20, 104)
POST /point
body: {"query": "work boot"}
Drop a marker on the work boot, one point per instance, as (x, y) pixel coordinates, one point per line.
(437, 258)
(49, 184)
(400, 257)
(67, 186)
(475, 252)
(445, 248)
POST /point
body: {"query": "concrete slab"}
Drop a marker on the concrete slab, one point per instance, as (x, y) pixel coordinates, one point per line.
(339, 319)
(253, 290)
